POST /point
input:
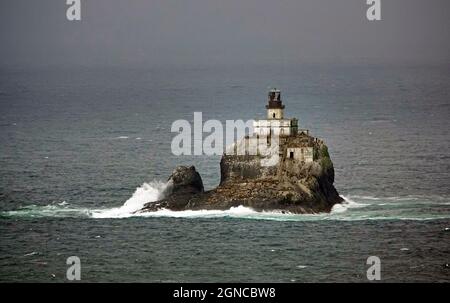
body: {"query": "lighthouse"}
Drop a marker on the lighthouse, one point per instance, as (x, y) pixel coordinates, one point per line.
(276, 138)
(275, 123)
(275, 107)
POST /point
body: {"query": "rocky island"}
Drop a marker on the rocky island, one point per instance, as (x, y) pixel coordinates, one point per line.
(279, 167)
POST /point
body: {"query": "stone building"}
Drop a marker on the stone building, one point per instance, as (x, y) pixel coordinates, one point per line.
(275, 123)
(300, 153)
(291, 143)
(295, 144)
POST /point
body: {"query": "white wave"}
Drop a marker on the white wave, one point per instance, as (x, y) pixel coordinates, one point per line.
(247, 212)
(122, 137)
(147, 192)
(389, 198)
(238, 211)
(348, 210)
(403, 201)
(344, 206)
(51, 210)
(339, 208)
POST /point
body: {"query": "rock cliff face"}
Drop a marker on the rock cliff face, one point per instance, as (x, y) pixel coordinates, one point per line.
(290, 185)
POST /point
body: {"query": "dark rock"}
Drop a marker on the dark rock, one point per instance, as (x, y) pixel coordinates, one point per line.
(184, 183)
(186, 180)
(290, 186)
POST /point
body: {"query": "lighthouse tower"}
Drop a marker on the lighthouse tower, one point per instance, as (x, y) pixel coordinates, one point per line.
(275, 107)
(275, 123)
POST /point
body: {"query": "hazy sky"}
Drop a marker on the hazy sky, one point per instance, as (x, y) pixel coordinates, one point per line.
(149, 32)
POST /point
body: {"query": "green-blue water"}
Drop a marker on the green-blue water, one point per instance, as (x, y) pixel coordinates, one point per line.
(80, 149)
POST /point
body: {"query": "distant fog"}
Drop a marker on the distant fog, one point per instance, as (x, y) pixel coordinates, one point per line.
(136, 33)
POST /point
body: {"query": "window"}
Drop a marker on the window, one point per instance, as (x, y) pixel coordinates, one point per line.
(273, 115)
(291, 155)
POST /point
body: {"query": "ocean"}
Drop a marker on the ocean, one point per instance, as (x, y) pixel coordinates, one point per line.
(82, 148)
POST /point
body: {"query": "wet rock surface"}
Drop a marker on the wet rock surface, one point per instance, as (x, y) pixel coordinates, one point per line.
(290, 186)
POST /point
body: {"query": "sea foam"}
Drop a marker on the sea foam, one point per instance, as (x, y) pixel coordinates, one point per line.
(366, 208)
(147, 192)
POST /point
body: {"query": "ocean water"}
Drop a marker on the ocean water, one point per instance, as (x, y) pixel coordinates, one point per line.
(82, 148)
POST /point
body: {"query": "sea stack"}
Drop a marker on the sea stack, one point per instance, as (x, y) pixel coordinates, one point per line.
(279, 167)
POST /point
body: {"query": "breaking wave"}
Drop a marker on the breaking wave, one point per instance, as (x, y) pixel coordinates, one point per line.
(148, 192)
(353, 208)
